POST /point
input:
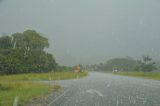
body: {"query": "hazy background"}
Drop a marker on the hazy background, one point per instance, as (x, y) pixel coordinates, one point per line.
(88, 31)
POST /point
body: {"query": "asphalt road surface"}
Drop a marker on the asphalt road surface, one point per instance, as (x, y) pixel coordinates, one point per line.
(101, 89)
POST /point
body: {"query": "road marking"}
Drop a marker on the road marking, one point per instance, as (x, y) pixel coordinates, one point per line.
(138, 97)
(117, 101)
(108, 85)
(92, 91)
(148, 85)
(58, 98)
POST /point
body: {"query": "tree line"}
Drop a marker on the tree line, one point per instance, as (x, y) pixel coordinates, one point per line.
(24, 53)
(126, 64)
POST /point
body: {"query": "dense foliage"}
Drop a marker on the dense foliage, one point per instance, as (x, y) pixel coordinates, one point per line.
(24, 52)
(126, 64)
(146, 64)
(64, 68)
(120, 64)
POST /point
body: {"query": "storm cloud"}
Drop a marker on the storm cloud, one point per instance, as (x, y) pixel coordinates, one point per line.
(88, 31)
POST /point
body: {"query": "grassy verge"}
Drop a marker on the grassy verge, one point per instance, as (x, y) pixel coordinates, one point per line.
(155, 76)
(44, 76)
(23, 90)
(21, 86)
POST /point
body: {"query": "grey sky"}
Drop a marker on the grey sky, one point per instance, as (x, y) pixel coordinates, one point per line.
(88, 31)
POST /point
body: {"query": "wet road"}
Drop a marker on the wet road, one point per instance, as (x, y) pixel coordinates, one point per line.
(100, 89)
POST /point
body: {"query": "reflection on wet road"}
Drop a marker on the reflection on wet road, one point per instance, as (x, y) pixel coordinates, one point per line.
(99, 89)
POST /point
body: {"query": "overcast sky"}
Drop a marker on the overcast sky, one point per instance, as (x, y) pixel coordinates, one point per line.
(88, 31)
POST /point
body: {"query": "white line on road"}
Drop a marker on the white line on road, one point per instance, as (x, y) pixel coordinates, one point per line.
(92, 91)
(99, 93)
(148, 85)
(58, 98)
(108, 85)
(117, 101)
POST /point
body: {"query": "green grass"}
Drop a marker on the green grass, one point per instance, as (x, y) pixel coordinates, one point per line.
(23, 90)
(149, 75)
(23, 87)
(44, 76)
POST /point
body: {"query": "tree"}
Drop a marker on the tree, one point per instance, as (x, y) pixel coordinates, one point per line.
(29, 40)
(24, 52)
(11, 61)
(5, 42)
(120, 64)
(146, 64)
(35, 41)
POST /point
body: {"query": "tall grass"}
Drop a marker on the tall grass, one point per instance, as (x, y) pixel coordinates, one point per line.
(43, 76)
(149, 75)
(23, 90)
(23, 87)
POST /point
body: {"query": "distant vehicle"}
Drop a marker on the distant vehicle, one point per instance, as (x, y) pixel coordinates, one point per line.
(115, 70)
(78, 69)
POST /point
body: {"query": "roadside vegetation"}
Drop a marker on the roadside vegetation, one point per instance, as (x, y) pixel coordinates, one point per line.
(127, 64)
(151, 75)
(43, 76)
(143, 67)
(25, 53)
(25, 88)
(23, 92)
(24, 61)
